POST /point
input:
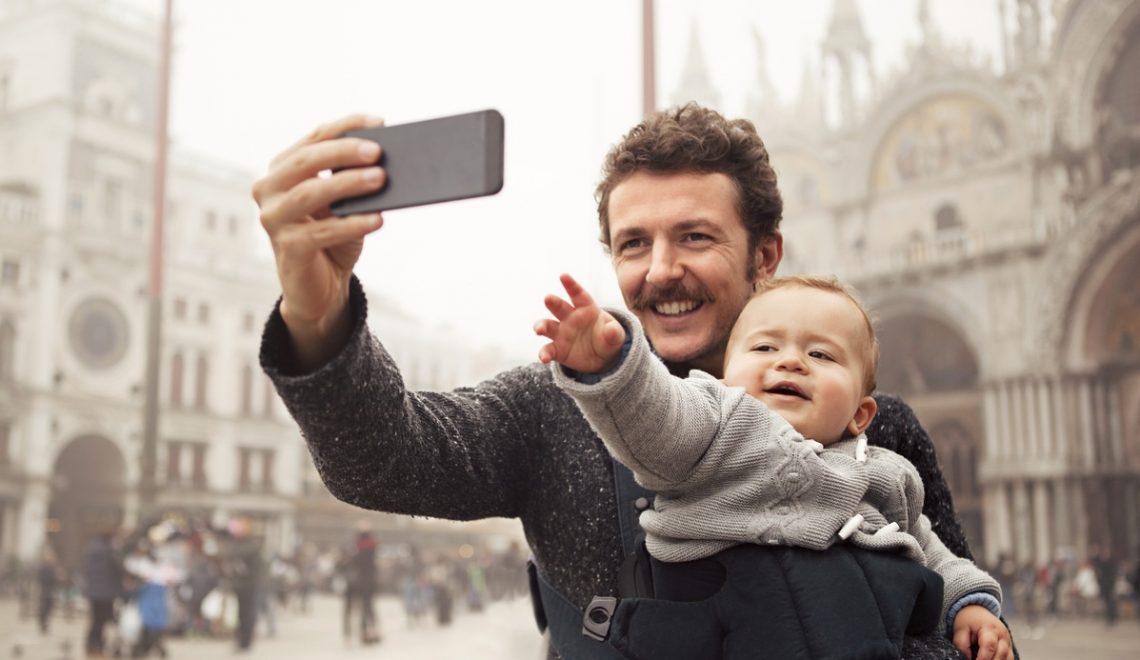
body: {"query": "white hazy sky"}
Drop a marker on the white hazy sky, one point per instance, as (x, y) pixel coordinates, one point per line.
(251, 76)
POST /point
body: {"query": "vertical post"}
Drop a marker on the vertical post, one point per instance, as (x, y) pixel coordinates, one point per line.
(148, 489)
(648, 60)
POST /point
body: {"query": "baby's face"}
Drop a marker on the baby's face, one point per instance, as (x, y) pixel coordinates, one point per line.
(803, 352)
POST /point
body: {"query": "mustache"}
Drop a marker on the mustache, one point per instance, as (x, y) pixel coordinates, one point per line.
(650, 295)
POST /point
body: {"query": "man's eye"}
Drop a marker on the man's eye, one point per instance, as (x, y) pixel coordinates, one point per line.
(631, 244)
(695, 237)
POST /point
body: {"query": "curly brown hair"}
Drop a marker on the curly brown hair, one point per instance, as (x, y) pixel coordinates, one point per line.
(692, 138)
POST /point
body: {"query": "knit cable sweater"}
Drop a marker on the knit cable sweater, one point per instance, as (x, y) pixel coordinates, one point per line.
(512, 446)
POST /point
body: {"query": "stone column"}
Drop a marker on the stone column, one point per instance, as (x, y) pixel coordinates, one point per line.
(1085, 429)
(1042, 523)
(990, 449)
(1018, 437)
(1045, 422)
(32, 520)
(995, 512)
(1022, 523)
(1004, 424)
(1063, 515)
(1062, 437)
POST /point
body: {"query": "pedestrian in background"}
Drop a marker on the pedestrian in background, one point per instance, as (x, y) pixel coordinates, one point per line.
(47, 579)
(245, 571)
(102, 585)
(1106, 569)
(361, 586)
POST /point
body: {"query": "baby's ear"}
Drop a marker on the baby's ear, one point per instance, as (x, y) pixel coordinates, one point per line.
(863, 416)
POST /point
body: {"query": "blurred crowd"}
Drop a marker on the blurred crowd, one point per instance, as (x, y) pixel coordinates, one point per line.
(1097, 586)
(187, 578)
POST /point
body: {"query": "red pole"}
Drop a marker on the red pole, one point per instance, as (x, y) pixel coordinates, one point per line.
(648, 61)
(148, 488)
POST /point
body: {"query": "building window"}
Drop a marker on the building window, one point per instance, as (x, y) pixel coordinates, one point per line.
(180, 309)
(203, 313)
(5, 443)
(10, 273)
(176, 366)
(5, 87)
(247, 322)
(186, 464)
(246, 390)
(255, 469)
(211, 220)
(7, 350)
(233, 224)
(203, 379)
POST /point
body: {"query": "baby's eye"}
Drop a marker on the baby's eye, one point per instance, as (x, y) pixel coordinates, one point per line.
(764, 348)
(820, 355)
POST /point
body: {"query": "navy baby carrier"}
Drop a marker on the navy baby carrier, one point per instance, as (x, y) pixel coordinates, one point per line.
(775, 602)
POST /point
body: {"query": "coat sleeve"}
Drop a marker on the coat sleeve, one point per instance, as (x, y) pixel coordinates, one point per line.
(458, 455)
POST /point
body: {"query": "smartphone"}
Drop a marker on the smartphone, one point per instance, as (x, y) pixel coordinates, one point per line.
(437, 160)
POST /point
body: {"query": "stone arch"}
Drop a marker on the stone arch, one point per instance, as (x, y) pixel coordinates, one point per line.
(922, 354)
(1089, 42)
(895, 110)
(1087, 269)
(88, 493)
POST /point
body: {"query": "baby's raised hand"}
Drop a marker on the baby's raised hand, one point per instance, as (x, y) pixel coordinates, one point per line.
(583, 336)
(975, 625)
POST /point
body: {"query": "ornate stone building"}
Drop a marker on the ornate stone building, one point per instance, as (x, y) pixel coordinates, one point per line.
(991, 219)
(78, 97)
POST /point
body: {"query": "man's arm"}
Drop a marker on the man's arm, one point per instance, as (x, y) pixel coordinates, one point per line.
(458, 455)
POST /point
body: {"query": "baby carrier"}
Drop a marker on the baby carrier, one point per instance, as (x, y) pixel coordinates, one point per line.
(765, 602)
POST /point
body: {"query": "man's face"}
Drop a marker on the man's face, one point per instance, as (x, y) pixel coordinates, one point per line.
(680, 250)
(803, 352)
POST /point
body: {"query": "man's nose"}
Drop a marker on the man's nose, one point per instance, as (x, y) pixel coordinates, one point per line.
(664, 266)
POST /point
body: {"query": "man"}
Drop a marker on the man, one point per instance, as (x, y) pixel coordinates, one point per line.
(690, 210)
(102, 584)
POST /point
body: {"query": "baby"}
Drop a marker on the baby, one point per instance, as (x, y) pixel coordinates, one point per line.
(728, 471)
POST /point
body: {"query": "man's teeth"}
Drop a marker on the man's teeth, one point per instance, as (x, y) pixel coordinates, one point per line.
(673, 308)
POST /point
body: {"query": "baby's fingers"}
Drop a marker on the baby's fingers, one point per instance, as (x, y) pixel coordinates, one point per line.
(558, 307)
(962, 638)
(547, 328)
(988, 644)
(547, 353)
(577, 294)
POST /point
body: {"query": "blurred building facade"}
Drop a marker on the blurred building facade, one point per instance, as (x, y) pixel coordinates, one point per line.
(78, 110)
(989, 214)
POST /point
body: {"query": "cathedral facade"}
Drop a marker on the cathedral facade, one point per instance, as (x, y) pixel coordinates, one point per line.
(990, 217)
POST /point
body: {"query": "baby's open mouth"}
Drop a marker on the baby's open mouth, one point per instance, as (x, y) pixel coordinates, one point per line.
(788, 389)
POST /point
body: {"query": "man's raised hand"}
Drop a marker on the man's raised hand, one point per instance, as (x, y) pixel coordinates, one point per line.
(315, 252)
(583, 336)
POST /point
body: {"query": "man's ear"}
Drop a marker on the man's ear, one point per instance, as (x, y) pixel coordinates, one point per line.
(769, 252)
(863, 416)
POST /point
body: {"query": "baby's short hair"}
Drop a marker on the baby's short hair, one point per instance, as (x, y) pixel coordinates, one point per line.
(830, 283)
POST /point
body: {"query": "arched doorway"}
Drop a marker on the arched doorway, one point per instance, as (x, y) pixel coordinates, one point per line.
(929, 364)
(88, 489)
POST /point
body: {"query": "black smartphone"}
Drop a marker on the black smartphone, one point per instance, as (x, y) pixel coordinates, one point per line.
(437, 160)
